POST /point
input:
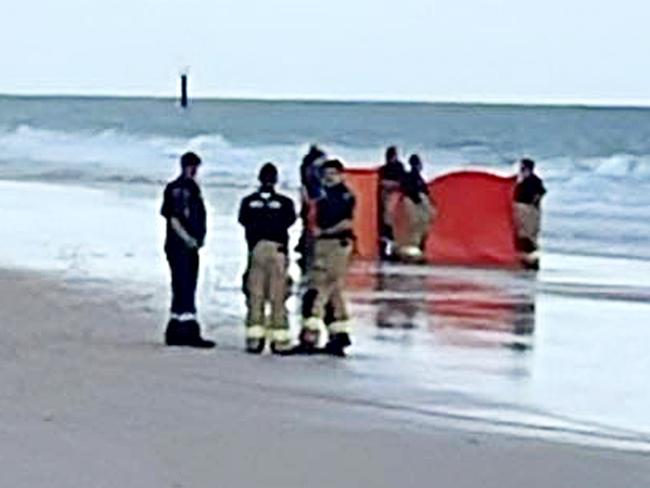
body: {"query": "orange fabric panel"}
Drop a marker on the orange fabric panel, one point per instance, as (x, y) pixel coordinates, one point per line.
(363, 183)
(474, 225)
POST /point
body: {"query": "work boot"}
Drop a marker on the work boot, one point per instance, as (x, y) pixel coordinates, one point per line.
(282, 348)
(307, 342)
(281, 341)
(186, 334)
(337, 344)
(255, 346)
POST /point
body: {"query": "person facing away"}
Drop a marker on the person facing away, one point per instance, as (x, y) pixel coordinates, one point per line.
(332, 250)
(310, 191)
(391, 175)
(266, 217)
(310, 171)
(411, 234)
(184, 210)
(528, 195)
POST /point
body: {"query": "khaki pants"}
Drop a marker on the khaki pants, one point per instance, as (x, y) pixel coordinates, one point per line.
(267, 282)
(327, 279)
(417, 219)
(528, 224)
(387, 203)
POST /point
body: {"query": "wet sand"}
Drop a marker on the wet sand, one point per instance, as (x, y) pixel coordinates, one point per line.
(91, 398)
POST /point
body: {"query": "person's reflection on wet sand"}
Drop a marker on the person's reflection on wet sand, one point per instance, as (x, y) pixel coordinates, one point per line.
(397, 308)
(464, 312)
(524, 325)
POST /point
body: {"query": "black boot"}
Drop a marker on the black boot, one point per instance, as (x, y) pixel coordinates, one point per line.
(307, 342)
(337, 344)
(186, 334)
(282, 348)
(255, 346)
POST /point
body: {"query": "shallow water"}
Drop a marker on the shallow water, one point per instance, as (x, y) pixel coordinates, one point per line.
(562, 353)
(596, 162)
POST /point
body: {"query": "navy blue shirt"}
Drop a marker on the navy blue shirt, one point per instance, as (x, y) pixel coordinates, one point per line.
(183, 200)
(530, 190)
(393, 171)
(414, 186)
(336, 205)
(267, 215)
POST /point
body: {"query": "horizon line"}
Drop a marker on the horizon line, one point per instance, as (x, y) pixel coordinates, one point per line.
(587, 103)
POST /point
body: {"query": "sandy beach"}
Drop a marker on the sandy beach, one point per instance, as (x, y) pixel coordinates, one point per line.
(457, 376)
(91, 398)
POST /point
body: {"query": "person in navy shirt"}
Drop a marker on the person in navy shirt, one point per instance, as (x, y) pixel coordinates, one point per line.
(266, 216)
(184, 210)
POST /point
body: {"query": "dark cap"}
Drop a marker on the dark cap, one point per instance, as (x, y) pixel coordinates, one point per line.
(190, 159)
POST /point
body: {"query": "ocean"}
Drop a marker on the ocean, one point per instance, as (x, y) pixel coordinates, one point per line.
(596, 161)
(562, 351)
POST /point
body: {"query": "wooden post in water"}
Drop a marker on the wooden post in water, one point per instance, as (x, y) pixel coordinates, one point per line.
(184, 98)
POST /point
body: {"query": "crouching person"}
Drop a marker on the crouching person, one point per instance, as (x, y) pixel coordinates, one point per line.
(186, 228)
(266, 216)
(332, 250)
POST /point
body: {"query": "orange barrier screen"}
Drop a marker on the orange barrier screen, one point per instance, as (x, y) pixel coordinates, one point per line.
(474, 225)
(363, 183)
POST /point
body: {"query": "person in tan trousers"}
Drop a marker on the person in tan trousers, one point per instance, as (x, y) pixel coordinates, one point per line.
(267, 216)
(418, 213)
(529, 192)
(332, 251)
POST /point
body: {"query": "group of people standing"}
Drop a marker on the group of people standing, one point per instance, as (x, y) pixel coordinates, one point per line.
(326, 246)
(267, 215)
(403, 242)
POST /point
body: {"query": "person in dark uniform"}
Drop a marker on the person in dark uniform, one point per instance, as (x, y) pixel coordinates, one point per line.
(310, 170)
(310, 180)
(184, 211)
(411, 236)
(332, 250)
(267, 216)
(529, 192)
(391, 175)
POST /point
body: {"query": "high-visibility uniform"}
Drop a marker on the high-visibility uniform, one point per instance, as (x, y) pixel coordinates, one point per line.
(417, 214)
(528, 224)
(331, 259)
(392, 173)
(266, 217)
(528, 194)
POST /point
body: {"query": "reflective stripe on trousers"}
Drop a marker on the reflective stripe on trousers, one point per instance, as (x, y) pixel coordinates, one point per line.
(327, 277)
(267, 282)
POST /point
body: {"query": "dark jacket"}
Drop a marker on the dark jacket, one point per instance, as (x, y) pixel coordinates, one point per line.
(336, 205)
(182, 200)
(392, 171)
(414, 186)
(267, 215)
(530, 190)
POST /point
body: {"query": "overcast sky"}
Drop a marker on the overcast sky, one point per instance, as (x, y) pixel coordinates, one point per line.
(521, 50)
